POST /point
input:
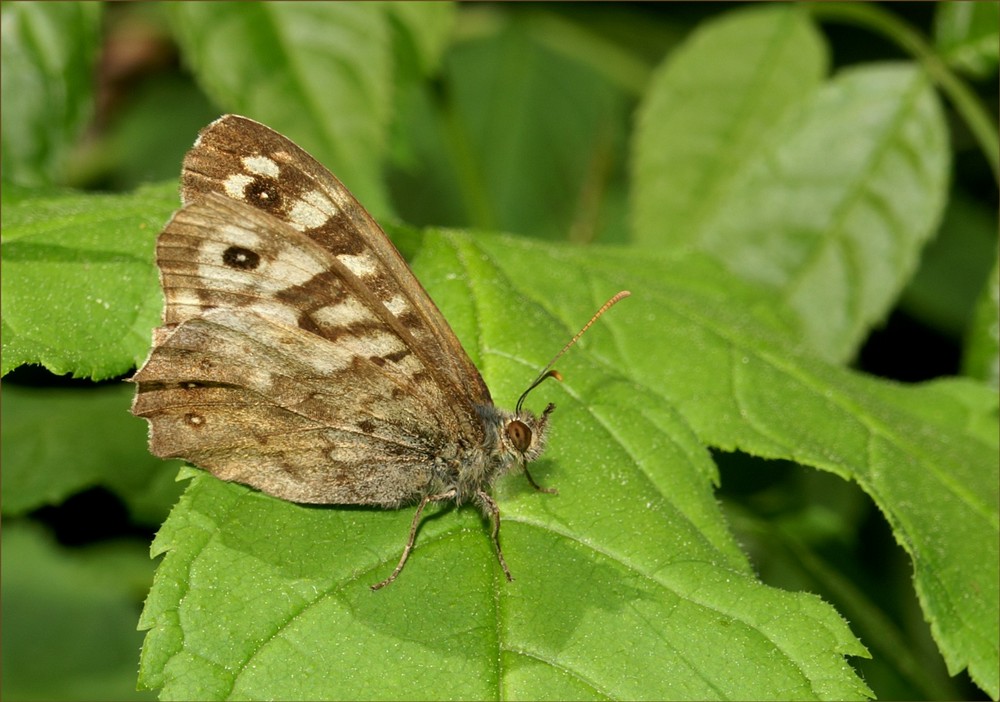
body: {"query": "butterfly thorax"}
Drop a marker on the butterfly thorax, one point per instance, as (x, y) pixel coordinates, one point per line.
(511, 440)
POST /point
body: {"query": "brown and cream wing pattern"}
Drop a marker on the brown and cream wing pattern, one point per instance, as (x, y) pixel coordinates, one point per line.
(249, 162)
(279, 368)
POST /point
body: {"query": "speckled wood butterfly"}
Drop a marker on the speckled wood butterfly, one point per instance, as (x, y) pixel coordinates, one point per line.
(299, 354)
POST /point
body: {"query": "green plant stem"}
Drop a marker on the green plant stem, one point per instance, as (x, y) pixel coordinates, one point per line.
(962, 97)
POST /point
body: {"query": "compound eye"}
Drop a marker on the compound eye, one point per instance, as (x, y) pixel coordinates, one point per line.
(519, 434)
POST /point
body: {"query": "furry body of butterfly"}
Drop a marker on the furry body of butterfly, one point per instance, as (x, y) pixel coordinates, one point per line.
(298, 353)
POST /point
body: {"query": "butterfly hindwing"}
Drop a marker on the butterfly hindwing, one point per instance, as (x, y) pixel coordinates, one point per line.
(251, 401)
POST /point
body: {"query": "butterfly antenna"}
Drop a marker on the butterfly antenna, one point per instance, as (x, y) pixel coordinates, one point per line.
(548, 371)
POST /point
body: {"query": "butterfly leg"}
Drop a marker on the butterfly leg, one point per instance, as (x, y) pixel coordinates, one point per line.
(549, 490)
(413, 534)
(495, 519)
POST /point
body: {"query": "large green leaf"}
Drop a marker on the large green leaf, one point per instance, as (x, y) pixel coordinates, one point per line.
(708, 113)
(516, 136)
(78, 293)
(628, 584)
(926, 454)
(828, 195)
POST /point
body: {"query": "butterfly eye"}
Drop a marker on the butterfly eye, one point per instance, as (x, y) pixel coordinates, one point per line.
(519, 434)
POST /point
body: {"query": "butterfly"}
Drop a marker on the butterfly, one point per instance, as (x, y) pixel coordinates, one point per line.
(299, 354)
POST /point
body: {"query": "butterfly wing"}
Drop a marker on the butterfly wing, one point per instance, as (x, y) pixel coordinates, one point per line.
(249, 162)
(280, 368)
(232, 393)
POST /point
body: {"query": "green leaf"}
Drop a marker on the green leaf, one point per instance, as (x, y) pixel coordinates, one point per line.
(630, 558)
(59, 441)
(78, 288)
(923, 458)
(68, 620)
(425, 29)
(967, 34)
(927, 455)
(708, 114)
(982, 352)
(322, 73)
(517, 137)
(48, 55)
(830, 205)
(954, 267)
(840, 230)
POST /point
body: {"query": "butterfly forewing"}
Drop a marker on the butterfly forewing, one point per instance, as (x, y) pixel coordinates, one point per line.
(249, 162)
(241, 339)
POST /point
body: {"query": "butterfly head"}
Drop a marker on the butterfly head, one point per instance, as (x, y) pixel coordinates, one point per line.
(513, 440)
(524, 433)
